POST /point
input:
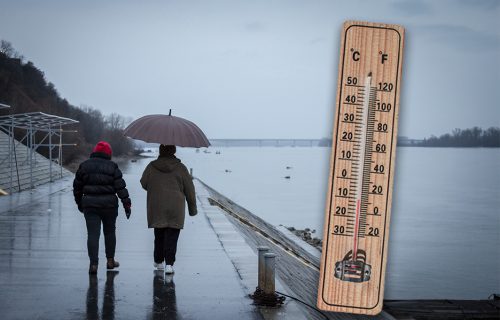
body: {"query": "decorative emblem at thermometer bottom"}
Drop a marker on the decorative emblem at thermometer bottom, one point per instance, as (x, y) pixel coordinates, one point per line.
(353, 270)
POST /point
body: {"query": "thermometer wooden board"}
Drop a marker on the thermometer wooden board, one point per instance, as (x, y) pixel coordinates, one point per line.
(359, 197)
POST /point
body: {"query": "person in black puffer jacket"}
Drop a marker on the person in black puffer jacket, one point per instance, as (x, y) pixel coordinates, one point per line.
(97, 183)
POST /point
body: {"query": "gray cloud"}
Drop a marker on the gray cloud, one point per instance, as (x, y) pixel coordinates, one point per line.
(459, 37)
(481, 4)
(317, 40)
(412, 7)
(255, 26)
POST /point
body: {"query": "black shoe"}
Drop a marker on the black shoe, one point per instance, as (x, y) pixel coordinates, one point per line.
(112, 263)
(93, 269)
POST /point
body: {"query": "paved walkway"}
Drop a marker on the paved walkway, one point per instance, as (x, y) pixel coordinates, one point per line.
(43, 265)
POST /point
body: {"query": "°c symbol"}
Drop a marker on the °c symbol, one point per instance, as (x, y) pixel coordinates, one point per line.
(355, 55)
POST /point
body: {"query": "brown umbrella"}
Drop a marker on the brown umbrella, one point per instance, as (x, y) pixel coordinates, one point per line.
(168, 130)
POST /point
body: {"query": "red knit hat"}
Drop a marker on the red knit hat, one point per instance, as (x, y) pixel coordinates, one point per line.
(103, 147)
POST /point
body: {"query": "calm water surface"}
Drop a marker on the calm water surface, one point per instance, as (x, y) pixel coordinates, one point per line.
(445, 226)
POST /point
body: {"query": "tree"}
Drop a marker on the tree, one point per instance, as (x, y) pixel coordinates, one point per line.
(92, 122)
(115, 121)
(473, 137)
(7, 49)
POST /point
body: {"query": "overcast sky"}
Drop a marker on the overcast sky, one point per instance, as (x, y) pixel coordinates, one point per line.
(260, 68)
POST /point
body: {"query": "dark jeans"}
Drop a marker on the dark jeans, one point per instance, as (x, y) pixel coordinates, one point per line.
(166, 245)
(94, 219)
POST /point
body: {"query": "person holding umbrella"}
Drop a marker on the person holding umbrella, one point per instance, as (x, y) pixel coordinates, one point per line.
(167, 181)
(169, 185)
(97, 183)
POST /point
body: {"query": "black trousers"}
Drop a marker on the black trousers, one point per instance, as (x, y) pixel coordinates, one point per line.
(94, 219)
(166, 245)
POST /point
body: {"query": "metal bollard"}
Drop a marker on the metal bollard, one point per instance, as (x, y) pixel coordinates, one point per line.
(270, 264)
(261, 268)
(265, 294)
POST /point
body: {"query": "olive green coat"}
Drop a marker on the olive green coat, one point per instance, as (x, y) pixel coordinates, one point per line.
(169, 186)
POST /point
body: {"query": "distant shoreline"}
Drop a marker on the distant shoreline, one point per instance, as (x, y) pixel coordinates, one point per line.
(229, 143)
(321, 143)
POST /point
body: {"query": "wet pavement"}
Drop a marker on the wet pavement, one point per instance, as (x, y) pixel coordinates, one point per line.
(44, 265)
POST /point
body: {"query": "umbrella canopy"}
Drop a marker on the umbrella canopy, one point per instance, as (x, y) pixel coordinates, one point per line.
(167, 130)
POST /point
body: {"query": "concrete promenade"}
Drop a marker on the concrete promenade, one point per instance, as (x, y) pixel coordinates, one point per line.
(44, 264)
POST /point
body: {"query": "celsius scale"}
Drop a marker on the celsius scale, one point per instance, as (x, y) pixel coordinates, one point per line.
(359, 197)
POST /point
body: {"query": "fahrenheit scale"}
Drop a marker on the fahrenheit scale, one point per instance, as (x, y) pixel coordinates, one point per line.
(361, 169)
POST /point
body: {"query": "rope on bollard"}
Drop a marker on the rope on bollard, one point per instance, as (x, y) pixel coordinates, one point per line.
(260, 298)
(277, 299)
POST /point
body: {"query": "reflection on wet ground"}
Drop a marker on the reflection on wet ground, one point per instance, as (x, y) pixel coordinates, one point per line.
(44, 266)
(108, 298)
(164, 302)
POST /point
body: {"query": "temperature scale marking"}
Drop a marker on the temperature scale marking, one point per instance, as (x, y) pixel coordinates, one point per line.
(359, 196)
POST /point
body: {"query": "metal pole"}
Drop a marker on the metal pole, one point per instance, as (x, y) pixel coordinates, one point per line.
(50, 153)
(30, 139)
(15, 158)
(34, 146)
(60, 150)
(270, 263)
(261, 268)
(11, 142)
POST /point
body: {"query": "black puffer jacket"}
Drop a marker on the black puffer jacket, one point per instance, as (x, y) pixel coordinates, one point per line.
(97, 182)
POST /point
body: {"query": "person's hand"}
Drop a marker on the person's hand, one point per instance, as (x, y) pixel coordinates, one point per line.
(128, 212)
(127, 205)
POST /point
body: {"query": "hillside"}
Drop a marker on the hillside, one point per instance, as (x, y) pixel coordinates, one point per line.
(23, 86)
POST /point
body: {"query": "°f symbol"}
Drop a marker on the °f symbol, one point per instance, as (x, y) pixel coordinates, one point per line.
(384, 56)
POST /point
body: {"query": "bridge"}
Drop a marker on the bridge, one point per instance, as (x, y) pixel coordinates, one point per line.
(270, 142)
(402, 142)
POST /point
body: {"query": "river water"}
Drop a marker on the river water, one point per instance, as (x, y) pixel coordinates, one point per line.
(445, 228)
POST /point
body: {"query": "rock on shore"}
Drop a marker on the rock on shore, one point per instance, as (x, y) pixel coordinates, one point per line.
(307, 235)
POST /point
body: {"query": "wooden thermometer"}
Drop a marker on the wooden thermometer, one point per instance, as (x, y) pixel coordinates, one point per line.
(361, 169)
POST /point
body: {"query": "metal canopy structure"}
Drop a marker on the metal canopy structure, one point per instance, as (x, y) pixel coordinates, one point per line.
(33, 122)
